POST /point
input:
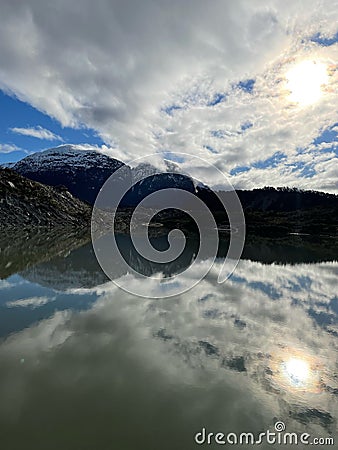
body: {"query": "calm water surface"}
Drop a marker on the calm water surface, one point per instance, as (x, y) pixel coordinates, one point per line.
(84, 365)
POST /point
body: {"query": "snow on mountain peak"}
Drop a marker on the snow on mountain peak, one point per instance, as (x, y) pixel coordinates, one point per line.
(75, 156)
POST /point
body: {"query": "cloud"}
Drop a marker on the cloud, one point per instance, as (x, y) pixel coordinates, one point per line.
(32, 302)
(121, 67)
(8, 148)
(37, 132)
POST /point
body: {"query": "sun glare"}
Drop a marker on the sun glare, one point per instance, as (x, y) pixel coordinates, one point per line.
(305, 82)
(297, 370)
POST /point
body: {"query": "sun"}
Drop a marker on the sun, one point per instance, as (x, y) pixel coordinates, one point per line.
(305, 82)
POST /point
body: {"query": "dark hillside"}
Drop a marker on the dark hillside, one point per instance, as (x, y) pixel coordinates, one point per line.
(26, 203)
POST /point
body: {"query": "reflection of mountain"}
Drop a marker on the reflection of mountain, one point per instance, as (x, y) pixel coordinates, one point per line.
(21, 249)
(66, 261)
(148, 268)
(288, 249)
(77, 269)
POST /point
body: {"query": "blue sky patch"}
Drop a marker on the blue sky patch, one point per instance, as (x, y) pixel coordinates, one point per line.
(324, 41)
(239, 169)
(173, 157)
(220, 134)
(271, 162)
(266, 288)
(305, 170)
(308, 171)
(18, 114)
(246, 125)
(171, 109)
(219, 97)
(246, 85)
(328, 135)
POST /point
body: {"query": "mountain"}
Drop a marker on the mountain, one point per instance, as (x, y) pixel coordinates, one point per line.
(270, 199)
(82, 172)
(147, 180)
(143, 170)
(268, 211)
(24, 202)
(279, 211)
(8, 165)
(285, 199)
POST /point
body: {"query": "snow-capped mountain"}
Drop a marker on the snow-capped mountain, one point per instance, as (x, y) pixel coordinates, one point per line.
(144, 170)
(147, 179)
(82, 171)
(72, 155)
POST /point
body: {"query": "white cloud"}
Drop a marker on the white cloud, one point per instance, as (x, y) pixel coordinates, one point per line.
(4, 284)
(32, 302)
(115, 68)
(8, 148)
(37, 132)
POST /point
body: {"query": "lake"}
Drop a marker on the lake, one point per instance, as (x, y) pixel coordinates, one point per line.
(85, 365)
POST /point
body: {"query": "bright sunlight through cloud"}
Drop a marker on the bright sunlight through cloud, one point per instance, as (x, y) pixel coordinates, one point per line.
(305, 82)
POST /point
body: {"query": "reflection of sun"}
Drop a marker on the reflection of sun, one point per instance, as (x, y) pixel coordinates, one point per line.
(297, 371)
(305, 81)
(293, 370)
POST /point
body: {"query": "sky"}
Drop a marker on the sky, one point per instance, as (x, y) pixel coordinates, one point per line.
(249, 86)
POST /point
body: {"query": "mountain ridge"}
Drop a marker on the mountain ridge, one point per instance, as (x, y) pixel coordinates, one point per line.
(267, 210)
(84, 171)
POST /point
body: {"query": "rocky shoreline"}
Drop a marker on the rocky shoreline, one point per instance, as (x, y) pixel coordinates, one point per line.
(27, 204)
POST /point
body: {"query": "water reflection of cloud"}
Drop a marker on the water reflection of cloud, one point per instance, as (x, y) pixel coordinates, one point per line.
(30, 302)
(228, 344)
